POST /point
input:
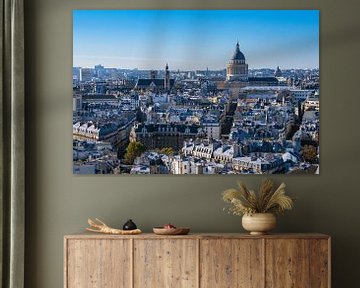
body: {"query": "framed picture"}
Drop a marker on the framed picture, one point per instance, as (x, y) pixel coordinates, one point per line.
(196, 91)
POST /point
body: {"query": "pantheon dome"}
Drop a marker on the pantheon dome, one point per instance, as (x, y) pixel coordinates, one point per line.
(237, 69)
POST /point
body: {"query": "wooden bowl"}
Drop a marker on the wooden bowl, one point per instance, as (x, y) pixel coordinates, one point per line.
(171, 231)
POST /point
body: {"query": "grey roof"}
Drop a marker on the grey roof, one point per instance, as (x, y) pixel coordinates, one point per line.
(158, 82)
(263, 79)
(180, 128)
(238, 55)
(107, 128)
(98, 97)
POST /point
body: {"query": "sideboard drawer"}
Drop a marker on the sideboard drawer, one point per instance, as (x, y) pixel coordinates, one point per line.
(231, 263)
(165, 263)
(303, 263)
(99, 263)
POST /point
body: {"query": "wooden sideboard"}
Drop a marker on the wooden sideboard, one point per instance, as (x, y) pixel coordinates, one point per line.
(197, 260)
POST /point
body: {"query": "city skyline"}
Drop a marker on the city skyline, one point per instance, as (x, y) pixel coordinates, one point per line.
(116, 38)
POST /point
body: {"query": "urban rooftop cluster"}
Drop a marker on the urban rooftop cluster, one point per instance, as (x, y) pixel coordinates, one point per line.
(230, 121)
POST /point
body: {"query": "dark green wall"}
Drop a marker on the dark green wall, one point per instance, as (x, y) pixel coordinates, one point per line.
(59, 203)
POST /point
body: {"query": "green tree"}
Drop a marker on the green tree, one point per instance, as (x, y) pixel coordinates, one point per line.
(133, 150)
(167, 151)
(309, 154)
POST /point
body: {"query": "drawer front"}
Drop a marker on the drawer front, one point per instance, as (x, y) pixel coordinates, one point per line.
(297, 263)
(98, 263)
(287, 263)
(320, 263)
(168, 263)
(231, 263)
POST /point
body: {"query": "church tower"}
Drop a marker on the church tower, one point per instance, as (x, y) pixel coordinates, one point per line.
(278, 72)
(237, 69)
(167, 79)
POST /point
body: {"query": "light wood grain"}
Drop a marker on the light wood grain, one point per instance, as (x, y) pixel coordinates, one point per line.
(165, 263)
(231, 263)
(287, 263)
(88, 235)
(204, 260)
(98, 264)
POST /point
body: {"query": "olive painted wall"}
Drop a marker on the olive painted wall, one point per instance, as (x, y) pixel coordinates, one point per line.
(59, 203)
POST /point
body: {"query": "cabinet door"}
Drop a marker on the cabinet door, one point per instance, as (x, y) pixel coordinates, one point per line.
(98, 263)
(287, 263)
(231, 263)
(320, 263)
(166, 263)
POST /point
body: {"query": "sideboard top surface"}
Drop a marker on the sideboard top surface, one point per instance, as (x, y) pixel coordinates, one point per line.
(86, 235)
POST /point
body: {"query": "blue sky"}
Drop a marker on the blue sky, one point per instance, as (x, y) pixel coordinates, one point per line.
(195, 39)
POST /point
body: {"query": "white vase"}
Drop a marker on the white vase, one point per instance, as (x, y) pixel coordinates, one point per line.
(259, 223)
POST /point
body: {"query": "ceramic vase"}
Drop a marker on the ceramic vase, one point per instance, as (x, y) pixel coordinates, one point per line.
(259, 223)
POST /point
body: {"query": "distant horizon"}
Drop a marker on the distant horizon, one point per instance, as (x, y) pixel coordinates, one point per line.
(187, 70)
(190, 40)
